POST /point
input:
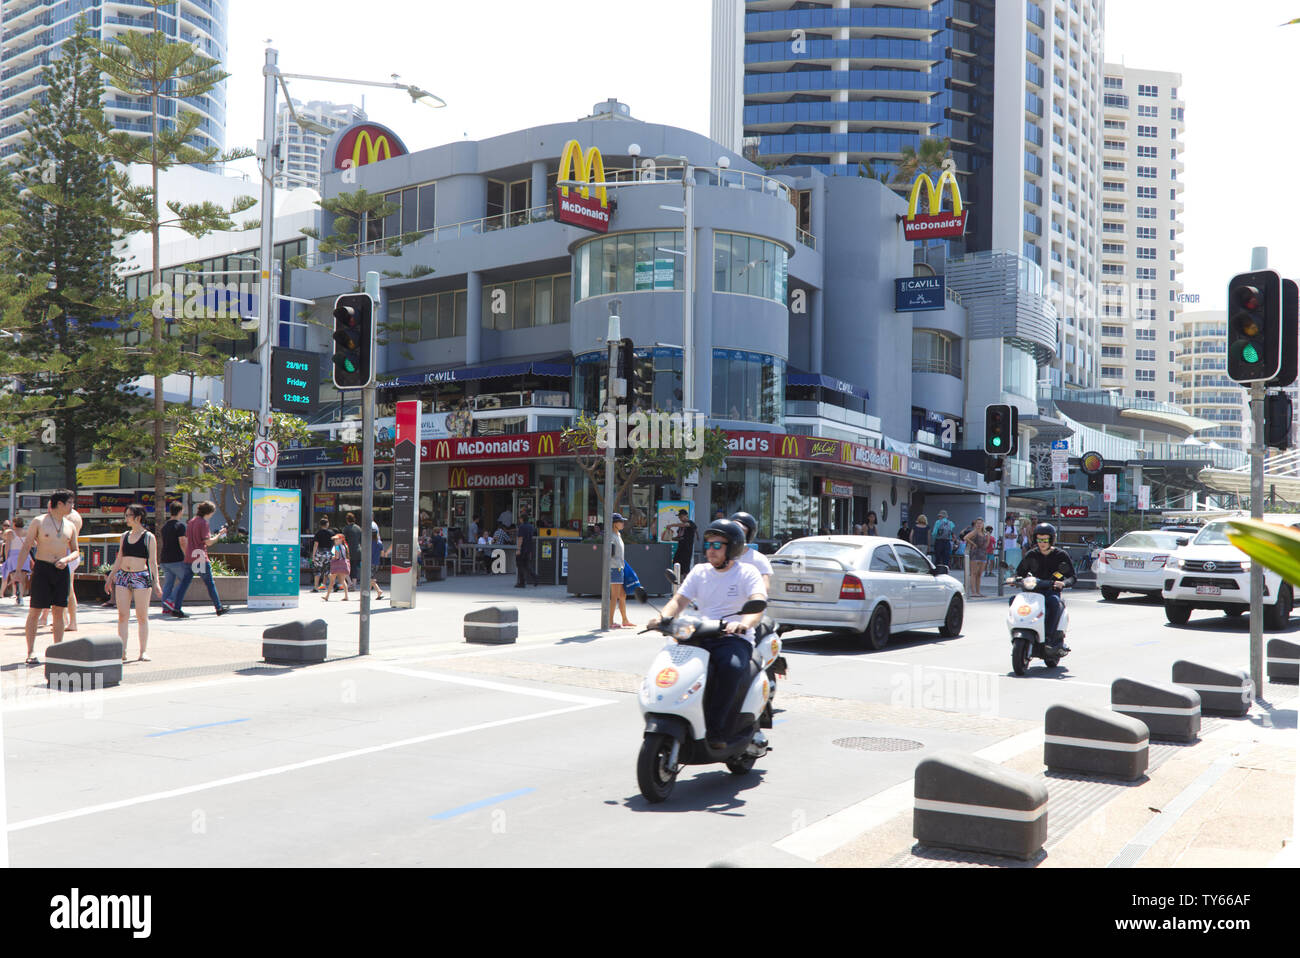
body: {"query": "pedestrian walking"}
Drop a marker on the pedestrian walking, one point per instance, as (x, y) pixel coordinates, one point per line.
(340, 567)
(173, 561)
(377, 553)
(870, 529)
(990, 566)
(943, 530)
(1011, 545)
(684, 532)
(52, 539)
(11, 574)
(617, 560)
(904, 533)
(198, 536)
(976, 542)
(527, 534)
(134, 579)
(921, 534)
(352, 533)
(321, 544)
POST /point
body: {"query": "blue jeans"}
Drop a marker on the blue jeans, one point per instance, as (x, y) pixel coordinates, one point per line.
(943, 552)
(1054, 608)
(173, 574)
(729, 657)
(206, 575)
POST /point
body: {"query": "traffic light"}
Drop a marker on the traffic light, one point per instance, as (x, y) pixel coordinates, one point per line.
(1255, 326)
(354, 341)
(1000, 425)
(1277, 421)
(1096, 482)
(992, 468)
(1290, 345)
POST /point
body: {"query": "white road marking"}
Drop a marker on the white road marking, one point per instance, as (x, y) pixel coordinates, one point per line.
(494, 686)
(283, 769)
(947, 668)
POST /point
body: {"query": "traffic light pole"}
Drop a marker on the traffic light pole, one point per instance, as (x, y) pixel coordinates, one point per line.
(611, 406)
(368, 470)
(1002, 522)
(1257, 512)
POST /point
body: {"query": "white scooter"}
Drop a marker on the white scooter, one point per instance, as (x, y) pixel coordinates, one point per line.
(1027, 622)
(672, 701)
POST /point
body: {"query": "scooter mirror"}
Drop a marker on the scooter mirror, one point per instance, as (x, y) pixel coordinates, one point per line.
(640, 594)
(752, 606)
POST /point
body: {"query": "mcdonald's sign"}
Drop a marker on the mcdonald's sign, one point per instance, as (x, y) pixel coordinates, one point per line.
(937, 223)
(489, 477)
(575, 205)
(546, 444)
(441, 449)
(790, 447)
(366, 143)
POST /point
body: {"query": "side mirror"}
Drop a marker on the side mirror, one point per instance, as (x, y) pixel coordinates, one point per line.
(1181, 541)
(752, 606)
(941, 570)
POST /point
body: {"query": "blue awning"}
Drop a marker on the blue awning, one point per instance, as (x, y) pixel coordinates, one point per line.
(795, 377)
(537, 367)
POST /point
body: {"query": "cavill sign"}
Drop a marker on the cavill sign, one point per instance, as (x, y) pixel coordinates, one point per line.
(366, 143)
(575, 205)
(937, 223)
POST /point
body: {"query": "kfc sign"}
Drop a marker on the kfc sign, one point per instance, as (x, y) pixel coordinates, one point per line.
(1074, 512)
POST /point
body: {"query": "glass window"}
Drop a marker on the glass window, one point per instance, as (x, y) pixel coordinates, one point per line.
(503, 305)
(428, 317)
(542, 301)
(462, 307)
(560, 300)
(626, 243)
(428, 192)
(393, 221)
(523, 304)
(609, 264)
(410, 206)
(496, 198)
(882, 560)
(446, 307)
(912, 560)
(519, 195)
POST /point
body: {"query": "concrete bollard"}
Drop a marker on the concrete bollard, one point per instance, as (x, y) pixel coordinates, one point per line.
(1283, 660)
(79, 665)
(1086, 739)
(298, 642)
(1223, 691)
(494, 625)
(975, 805)
(1170, 712)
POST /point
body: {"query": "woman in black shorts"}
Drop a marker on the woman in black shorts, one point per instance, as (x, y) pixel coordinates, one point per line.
(134, 577)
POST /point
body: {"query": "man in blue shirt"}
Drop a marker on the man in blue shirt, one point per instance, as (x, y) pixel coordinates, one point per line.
(943, 530)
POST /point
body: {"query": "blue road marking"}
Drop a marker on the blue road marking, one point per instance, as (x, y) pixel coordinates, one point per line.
(191, 728)
(481, 803)
(1152, 642)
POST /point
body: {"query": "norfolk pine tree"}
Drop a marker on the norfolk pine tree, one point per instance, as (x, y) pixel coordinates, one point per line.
(148, 64)
(64, 207)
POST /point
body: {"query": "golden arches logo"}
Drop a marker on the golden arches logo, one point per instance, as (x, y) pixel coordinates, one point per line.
(587, 168)
(441, 450)
(846, 452)
(938, 222)
(546, 445)
(372, 148)
(458, 479)
(790, 446)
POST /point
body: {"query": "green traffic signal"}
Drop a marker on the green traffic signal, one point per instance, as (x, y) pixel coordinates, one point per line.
(997, 440)
(1250, 354)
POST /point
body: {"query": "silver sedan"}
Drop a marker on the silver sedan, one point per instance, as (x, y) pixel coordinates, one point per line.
(870, 585)
(1135, 563)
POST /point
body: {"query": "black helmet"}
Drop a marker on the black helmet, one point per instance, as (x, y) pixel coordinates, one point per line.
(749, 522)
(1045, 529)
(730, 530)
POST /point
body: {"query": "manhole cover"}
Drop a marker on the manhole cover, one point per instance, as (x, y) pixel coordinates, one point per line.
(878, 744)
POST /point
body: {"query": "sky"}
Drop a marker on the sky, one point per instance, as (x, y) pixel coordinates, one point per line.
(505, 65)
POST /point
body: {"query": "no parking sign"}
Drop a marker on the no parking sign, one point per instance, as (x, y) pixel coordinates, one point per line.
(265, 453)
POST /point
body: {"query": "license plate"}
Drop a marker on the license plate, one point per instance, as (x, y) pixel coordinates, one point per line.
(1208, 590)
(799, 587)
(1133, 563)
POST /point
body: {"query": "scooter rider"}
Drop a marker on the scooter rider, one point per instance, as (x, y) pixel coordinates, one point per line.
(1054, 571)
(720, 587)
(751, 555)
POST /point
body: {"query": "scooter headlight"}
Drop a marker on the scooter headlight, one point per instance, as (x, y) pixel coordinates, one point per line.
(683, 630)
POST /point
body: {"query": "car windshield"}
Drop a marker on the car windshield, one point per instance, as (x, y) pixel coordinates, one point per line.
(1215, 534)
(844, 551)
(1147, 540)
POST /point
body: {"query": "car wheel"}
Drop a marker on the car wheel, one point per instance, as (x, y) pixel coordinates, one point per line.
(951, 627)
(878, 628)
(1278, 614)
(1109, 593)
(1177, 613)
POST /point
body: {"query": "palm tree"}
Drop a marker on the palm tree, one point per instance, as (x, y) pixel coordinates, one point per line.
(932, 157)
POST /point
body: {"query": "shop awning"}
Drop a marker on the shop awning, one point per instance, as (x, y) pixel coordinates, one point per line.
(558, 366)
(796, 377)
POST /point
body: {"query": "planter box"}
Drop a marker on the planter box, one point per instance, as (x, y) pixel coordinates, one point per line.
(232, 588)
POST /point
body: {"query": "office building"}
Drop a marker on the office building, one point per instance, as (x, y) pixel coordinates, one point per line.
(34, 31)
(1142, 225)
(302, 152)
(1203, 386)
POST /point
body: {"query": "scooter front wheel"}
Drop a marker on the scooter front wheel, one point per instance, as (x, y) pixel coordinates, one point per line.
(653, 775)
(1020, 653)
(742, 764)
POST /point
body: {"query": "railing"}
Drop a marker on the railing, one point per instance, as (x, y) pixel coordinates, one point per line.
(486, 224)
(551, 399)
(806, 238)
(1106, 397)
(803, 408)
(942, 366)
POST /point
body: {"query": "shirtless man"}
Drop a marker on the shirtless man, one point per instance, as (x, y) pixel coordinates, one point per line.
(54, 537)
(77, 520)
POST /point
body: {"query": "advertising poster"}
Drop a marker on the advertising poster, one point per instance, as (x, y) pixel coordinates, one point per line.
(666, 514)
(274, 549)
(1144, 497)
(1109, 487)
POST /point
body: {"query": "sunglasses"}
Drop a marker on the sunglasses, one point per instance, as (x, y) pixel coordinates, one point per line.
(1044, 539)
(715, 545)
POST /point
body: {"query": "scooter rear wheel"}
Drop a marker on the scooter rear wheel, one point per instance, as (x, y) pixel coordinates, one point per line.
(1020, 650)
(653, 775)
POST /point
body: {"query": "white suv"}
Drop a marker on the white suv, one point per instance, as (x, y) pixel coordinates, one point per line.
(1209, 572)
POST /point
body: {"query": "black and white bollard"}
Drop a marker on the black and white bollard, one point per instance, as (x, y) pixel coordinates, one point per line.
(494, 625)
(298, 642)
(1171, 712)
(972, 804)
(1283, 660)
(1223, 691)
(80, 665)
(1083, 739)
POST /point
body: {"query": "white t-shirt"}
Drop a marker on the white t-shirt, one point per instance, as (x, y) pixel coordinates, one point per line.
(755, 558)
(716, 593)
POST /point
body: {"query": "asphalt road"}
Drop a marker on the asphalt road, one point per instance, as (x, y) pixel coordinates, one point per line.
(525, 755)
